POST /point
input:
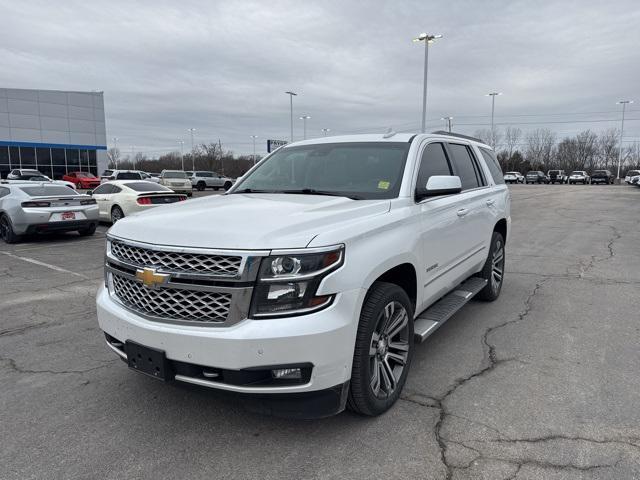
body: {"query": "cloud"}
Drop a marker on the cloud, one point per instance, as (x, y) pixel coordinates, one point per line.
(223, 67)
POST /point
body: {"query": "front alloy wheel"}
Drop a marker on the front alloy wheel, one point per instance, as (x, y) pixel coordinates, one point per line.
(493, 270)
(383, 350)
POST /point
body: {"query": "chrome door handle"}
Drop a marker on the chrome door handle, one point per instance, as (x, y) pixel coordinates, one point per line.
(491, 202)
(462, 212)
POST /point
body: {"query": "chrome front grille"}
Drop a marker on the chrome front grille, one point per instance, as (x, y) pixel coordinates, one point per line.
(194, 263)
(172, 303)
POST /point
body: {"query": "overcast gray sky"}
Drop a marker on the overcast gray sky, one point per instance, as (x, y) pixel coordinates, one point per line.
(223, 67)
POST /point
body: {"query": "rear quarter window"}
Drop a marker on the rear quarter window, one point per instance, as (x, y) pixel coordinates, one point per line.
(493, 165)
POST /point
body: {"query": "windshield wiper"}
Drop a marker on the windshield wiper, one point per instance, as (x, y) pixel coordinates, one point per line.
(313, 191)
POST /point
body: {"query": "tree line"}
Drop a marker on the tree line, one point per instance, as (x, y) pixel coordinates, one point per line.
(207, 157)
(541, 149)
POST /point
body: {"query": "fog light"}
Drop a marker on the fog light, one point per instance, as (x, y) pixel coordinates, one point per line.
(287, 373)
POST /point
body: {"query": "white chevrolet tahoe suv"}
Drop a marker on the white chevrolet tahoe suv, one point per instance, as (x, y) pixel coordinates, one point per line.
(307, 286)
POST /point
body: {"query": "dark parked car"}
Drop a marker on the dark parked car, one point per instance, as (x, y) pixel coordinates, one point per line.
(536, 176)
(557, 176)
(602, 176)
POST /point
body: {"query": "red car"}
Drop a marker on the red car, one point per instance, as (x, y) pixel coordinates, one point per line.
(82, 179)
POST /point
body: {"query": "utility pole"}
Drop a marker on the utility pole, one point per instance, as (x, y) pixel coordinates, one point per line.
(624, 103)
(448, 120)
(493, 96)
(253, 137)
(115, 151)
(181, 142)
(427, 39)
(291, 95)
(193, 159)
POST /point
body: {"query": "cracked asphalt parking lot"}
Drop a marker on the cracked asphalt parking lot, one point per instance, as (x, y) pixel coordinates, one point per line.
(542, 383)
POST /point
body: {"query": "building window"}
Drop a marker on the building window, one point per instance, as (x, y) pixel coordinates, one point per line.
(27, 157)
(14, 157)
(43, 160)
(73, 159)
(5, 168)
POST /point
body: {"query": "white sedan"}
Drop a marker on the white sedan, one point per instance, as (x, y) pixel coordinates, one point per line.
(120, 198)
(513, 177)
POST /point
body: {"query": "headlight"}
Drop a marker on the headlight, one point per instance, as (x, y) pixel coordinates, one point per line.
(287, 283)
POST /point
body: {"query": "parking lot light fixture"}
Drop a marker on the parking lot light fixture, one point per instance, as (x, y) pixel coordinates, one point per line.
(304, 119)
(624, 104)
(427, 39)
(493, 96)
(325, 131)
(448, 120)
(291, 95)
(253, 137)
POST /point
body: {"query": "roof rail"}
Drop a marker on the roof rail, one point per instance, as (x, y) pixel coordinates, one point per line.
(458, 135)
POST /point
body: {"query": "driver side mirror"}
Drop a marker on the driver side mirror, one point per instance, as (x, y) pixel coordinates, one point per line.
(440, 185)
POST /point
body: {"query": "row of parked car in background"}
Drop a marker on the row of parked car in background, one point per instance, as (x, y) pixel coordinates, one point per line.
(32, 203)
(560, 176)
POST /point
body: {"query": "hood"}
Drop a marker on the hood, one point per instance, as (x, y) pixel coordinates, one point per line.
(246, 221)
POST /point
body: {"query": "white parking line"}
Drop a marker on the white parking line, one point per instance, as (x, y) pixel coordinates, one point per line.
(43, 264)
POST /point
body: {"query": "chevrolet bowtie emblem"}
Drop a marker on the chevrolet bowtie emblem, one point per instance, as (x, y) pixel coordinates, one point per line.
(150, 278)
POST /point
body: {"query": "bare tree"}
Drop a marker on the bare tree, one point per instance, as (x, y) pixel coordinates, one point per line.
(489, 137)
(511, 139)
(607, 155)
(539, 148)
(113, 157)
(587, 153)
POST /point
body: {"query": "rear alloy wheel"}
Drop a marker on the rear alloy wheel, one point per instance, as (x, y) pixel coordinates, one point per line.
(116, 214)
(493, 270)
(6, 230)
(201, 186)
(383, 351)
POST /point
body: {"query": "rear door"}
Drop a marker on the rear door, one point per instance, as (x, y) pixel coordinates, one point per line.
(101, 195)
(442, 231)
(473, 201)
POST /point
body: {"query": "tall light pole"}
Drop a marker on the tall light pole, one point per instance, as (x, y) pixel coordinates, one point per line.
(624, 105)
(115, 151)
(325, 131)
(253, 137)
(304, 119)
(181, 142)
(427, 39)
(493, 96)
(291, 95)
(193, 157)
(448, 120)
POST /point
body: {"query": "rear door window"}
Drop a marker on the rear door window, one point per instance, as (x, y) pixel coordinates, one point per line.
(434, 162)
(493, 165)
(464, 166)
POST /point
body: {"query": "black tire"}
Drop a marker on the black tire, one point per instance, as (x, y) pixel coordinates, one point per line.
(493, 268)
(189, 194)
(382, 308)
(116, 214)
(201, 186)
(6, 231)
(227, 186)
(88, 231)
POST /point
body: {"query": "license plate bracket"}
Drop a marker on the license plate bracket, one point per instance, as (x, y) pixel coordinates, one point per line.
(147, 360)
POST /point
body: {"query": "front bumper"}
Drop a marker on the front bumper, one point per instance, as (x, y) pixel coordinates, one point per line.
(324, 339)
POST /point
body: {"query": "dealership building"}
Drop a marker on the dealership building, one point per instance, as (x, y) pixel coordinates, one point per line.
(52, 131)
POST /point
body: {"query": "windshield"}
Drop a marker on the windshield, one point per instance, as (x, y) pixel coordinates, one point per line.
(600, 172)
(532, 173)
(357, 170)
(147, 187)
(48, 190)
(511, 173)
(577, 173)
(174, 175)
(107, 173)
(633, 173)
(85, 175)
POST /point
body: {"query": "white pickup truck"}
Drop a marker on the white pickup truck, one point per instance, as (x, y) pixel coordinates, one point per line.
(308, 285)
